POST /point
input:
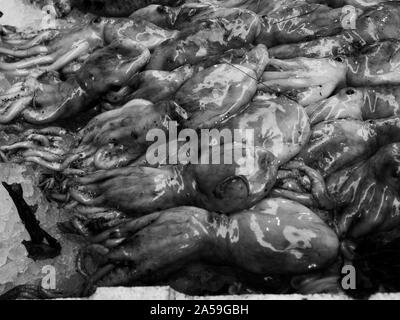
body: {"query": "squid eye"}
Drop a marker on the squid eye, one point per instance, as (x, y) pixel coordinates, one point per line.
(350, 92)
(115, 88)
(161, 9)
(170, 60)
(96, 20)
(338, 59)
(396, 171)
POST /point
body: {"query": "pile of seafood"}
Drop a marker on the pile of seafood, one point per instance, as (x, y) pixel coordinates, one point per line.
(317, 81)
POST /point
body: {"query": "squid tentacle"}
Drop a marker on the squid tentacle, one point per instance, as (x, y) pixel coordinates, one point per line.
(10, 112)
(305, 199)
(127, 229)
(85, 198)
(318, 188)
(27, 63)
(24, 53)
(45, 155)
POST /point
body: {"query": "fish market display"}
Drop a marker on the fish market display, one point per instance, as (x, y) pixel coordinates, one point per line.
(219, 147)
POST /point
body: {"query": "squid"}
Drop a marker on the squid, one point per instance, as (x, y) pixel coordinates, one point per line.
(305, 80)
(378, 23)
(276, 236)
(340, 143)
(184, 16)
(280, 238)
(376, 64)
(52, 50)
(367, 194)
(119, 8)
(180, 17)
(261, 7)
(230, 29)
(302, 21)
(280, 125)
(190, 13)
(282, 22)
(344, 44)
(350, 165)
(354, 3)
(118, 137)
(220, 91)
(373, 65)
(45, 99)
(207, 91)
(64, 47)
(12, 37)
(361, 103)
(151, 85)
(223, 187)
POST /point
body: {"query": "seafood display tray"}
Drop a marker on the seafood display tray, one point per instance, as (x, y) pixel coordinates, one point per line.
(295, 109)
